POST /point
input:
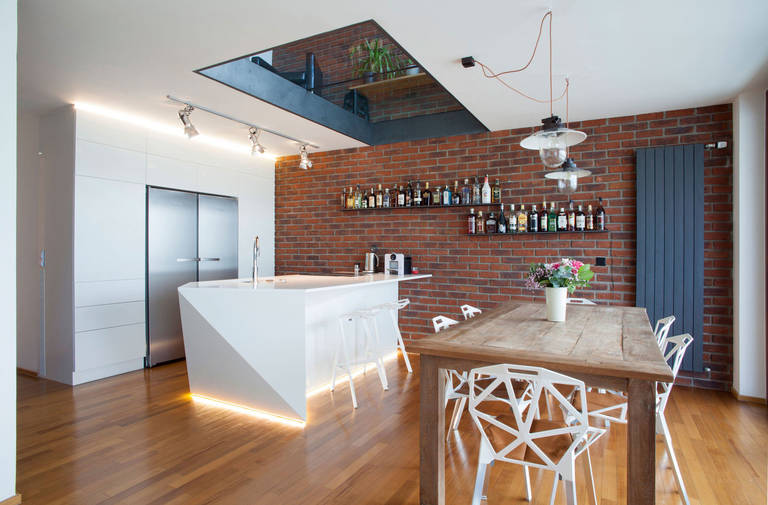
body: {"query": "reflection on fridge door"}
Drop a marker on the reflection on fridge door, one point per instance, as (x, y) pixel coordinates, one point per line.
(190, 237)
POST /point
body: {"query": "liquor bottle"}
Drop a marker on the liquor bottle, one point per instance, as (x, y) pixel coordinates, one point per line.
(486, 192)
(590, 218)
(408, 195)
(533, 220)
(543, 217)
(358, 198)
(344, 198)
(417, 195)
(512, 227)
(426, 196)
(447, 197)
(471, 222)
(600, 215)
(480, 223)
(401, 197)
(496, 192)
(379, 197)
(437, 196)
(571, 217)
(562, 220)
(350, 199)
(490, 224)
(386, 199)
(466, 193)
(364, 200)
(476, 194)
(522, 220)
(371, 200)
(456, 194)
(502, 223)
(581, 221)
(552, 218)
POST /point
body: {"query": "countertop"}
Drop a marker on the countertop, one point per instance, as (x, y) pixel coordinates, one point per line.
(306, 282)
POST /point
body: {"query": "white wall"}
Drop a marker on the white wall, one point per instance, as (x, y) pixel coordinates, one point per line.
(749, 243)
(8, 58)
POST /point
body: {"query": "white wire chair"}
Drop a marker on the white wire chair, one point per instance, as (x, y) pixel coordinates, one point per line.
(442, 322)
(580, 301)
(519, 436)
(661, 330)
(469, 311)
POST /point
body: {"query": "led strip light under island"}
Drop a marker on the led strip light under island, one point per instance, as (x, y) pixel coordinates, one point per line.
(264, 350)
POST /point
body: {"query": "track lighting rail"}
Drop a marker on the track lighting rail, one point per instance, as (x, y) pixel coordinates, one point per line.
(236, 120)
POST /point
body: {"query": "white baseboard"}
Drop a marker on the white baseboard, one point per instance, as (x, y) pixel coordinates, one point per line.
(102, 372)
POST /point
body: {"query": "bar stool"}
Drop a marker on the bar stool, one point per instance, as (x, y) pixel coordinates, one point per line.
(372, 348)
(392, 308)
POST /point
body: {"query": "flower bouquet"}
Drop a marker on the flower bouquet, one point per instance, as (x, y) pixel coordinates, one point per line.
(559, 279)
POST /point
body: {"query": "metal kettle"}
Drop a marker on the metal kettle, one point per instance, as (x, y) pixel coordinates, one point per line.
(371, 262)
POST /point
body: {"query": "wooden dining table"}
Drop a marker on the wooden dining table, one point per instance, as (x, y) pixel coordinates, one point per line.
(605, 346)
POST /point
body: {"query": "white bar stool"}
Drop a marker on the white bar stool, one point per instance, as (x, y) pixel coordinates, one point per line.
(372, 350)
(392, 308)
(469, 311)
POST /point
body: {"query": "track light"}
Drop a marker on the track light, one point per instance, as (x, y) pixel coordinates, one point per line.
(256, 147)
(189, 129)
(304, 163)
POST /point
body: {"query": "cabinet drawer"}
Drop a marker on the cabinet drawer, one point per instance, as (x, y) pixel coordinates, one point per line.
(98, 348)
(104, 292)
(108, 316)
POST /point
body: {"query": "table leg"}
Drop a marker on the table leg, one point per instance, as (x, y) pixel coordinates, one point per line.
(431, 433)
(641, 443)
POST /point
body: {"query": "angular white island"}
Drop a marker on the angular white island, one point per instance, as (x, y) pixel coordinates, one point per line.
(267, 347)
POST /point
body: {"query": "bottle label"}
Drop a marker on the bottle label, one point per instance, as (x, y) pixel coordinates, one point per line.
(562, 222)
(580, 222)
(543, 222)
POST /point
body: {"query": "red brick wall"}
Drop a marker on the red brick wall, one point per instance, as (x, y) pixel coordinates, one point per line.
(332, 52)
(314, 235)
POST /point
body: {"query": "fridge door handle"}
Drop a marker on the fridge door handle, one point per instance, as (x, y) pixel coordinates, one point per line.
(185, 260)
(210, 259)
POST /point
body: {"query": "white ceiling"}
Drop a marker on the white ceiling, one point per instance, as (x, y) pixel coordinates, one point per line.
(621, 57)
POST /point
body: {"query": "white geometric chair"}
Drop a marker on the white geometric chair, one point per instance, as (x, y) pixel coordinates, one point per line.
(455, 382)
(674, 353)
(372, 348)
(442, 322)
(662, 330)
(521, 438)
(392, 308)
(580, 301)
(469, 311)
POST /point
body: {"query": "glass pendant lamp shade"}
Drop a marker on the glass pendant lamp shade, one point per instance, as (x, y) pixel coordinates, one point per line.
(568, 176)
(552, 141)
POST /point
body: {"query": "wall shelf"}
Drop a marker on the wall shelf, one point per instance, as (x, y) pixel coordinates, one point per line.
(394, 83)
(425, 207)
(535, 233)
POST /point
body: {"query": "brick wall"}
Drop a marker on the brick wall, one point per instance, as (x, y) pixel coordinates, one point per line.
(314, 235)
(332, 52)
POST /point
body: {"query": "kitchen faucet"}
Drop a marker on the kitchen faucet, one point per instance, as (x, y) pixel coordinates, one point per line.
(255, 261)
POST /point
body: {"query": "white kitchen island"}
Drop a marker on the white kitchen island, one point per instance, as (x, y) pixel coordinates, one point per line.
(267, 347)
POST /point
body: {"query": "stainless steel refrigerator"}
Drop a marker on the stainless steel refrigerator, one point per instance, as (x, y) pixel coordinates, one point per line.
(190, 237)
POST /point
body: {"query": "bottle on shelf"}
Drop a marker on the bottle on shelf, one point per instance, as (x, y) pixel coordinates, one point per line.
(471, 222)
(480, 223)
(512, 226)
(456, 194)
(590, 218)
(502, 222)
(491, 224)
(600, 215)
(371, 200)
(496, 192)
(417, 195)
(379, 197)
(358, 198)
(350, 199)
(466, 193)
(476, 193)
(344, 198)
(364, 201)
(571, 217)
(543, 217)
(581, 220)
(562, 220)
(401, 197)
(408, 195)
(522, 220)
(447, 197)
(533, 220)
(552, 218)
(486, 191)
(386, 198)
(437, 196)
(426, 196)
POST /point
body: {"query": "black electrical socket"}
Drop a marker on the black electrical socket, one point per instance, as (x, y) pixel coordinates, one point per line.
(600, 261)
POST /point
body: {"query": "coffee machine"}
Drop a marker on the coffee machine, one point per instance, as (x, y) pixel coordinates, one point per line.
(397, 264)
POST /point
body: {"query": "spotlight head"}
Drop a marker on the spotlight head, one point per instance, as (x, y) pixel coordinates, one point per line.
(189, 129)
(256, 147)
(305, 162)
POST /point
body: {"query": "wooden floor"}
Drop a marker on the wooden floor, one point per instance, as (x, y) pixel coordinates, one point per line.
(140, 439)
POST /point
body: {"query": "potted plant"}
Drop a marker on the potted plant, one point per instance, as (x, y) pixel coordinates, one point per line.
(371, 57)
(410, 66)
(558, 279)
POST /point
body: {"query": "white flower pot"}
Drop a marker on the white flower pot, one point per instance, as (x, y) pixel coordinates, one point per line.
(557, 300)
